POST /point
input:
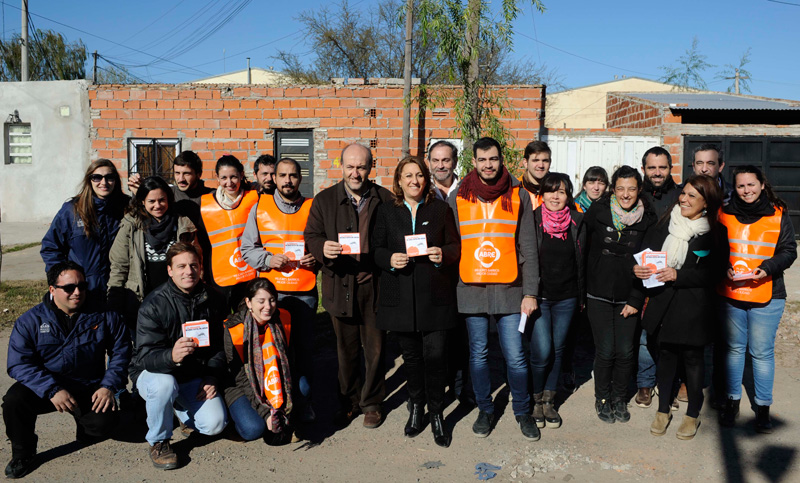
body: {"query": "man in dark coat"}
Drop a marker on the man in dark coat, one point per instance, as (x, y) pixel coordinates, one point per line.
(707, 159)
(57, 354)
(349, 285)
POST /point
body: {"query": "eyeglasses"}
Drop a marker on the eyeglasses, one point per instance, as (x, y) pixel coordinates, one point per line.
(70, 287)
(96, 178)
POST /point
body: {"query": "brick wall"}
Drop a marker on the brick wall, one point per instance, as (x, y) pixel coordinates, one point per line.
(242, 120)
(631, 113)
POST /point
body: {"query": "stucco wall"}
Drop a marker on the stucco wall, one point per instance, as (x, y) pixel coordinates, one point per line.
(60, 146)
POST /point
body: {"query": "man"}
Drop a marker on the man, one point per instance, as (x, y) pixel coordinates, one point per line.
(264, 171)
(442, 159)
(349, 282)
(707, 159)
(57, 354)
(536, 161)
(174, 373)
(187, 167)
(498, 277)
(277, 219)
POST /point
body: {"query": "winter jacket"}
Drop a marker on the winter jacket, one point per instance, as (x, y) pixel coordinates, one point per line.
(578, 232)
(159, 326)
(421, 296)
(43, 357)
(660, 199)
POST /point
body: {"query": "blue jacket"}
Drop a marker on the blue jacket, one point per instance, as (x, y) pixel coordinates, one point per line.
(43, 357)
(66, 240)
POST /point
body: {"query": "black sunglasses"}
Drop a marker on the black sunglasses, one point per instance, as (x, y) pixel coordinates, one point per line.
(96, 178)
(70, 287)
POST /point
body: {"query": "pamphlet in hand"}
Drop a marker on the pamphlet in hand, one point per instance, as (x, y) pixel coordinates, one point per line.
(351, 243)
(523, 319)
(294, 250)
(653, 260)
(198, 330)
(416, 245)
(741, 276)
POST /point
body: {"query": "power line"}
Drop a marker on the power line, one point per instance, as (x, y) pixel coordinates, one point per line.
(153, 22)
(785, 3)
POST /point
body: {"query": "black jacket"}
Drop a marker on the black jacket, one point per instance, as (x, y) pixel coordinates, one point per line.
(421, 296)
(578, 232)
(159, 326)
(609, 267)
(660, 199)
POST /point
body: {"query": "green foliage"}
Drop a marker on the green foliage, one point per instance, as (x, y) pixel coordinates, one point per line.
(50, 57)
(688, 70)
(116, 75)
(729, 73)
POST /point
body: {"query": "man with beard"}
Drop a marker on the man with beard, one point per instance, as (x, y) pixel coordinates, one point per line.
(442, 159)
(264, 171)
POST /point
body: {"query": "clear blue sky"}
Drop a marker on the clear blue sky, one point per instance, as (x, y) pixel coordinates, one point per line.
(631, 38)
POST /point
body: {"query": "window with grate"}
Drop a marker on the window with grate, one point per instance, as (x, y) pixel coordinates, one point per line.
(298, 145)
(152, 157)
(19, 146)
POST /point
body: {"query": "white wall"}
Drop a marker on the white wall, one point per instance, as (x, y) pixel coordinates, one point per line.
(35, 192)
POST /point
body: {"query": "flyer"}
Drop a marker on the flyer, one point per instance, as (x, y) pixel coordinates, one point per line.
(740, 276)
(416, 245)
(199, 331)
(654, 261)
(351, 243)
(294, 250)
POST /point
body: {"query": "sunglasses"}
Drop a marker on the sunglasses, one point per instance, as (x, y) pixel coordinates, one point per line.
(70, 287)
(96, 178)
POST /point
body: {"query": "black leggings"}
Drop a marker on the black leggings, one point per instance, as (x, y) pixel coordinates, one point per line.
(614, 336)
(669, 360)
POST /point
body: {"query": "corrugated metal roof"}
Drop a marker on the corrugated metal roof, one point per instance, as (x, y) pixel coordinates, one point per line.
(704, 101)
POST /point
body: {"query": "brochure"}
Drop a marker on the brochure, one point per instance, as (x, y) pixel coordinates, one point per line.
(351, 243)
(416, 245)
(199, 331)
(294, 250)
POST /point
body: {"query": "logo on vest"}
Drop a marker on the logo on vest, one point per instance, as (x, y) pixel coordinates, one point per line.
(44, 328)
(291, 267)
(272, 381)
(486, 254)
(237, 261)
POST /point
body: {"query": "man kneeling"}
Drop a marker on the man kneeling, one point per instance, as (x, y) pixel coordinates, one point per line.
(177, 373)
(57, 353)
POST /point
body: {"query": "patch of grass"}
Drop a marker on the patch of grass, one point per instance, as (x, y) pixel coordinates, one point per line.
(17, 297)
(21, 246)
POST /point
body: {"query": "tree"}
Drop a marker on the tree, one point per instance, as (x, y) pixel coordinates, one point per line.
(688, 71)
(731, 72)
(50, 57)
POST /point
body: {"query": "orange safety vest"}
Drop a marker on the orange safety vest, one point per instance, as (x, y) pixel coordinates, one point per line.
(488, 240)
(749, 246)
(225, 228)
(578, 207)
(536, 200)
(273, 388)
(275, 228)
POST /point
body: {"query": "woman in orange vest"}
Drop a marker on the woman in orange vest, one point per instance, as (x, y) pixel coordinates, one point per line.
(761, 243)
(224, 215)
(259, 391)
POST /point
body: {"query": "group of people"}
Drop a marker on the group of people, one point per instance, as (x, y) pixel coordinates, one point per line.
(206, 297)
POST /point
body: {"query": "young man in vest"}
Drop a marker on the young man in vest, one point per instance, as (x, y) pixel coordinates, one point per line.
(499, 277)
(707, 159)
(442, 160)
(57, 354)
(176, 374)
(279, 218)
(536, 161)
(349, 282)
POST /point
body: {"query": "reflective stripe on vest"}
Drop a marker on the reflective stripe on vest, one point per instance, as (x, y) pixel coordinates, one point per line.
(276, 227)
(225, 228)
(488, 244)
(749, 246)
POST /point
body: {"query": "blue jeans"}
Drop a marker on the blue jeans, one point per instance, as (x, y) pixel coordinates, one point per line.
(246, 420)
(163, 395)
(513, 353)
(646, 375)
(302, 306)
(753, 329)
(548, 338)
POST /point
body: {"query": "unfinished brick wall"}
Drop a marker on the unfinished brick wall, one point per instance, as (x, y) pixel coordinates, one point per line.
(631, 113)
(242, 120)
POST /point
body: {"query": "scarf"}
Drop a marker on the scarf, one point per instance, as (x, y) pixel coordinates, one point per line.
(473, 188)
(532, 188)
(658, 191)
(254, 367)
(749, 213)
(159, 234)
(583, 201)
(681, 231)
(556, 223)
(622, 218)
(225, 202)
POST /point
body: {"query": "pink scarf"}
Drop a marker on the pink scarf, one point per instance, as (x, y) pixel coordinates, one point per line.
(556, 223)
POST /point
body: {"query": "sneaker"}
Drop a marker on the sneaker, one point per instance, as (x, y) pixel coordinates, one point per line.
(483, 425)
(621, 413)
(19, 467)
(604, 412)
(644, 397)
(162, 456)
(528, 426)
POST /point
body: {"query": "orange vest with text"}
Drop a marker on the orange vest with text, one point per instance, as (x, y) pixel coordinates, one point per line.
(275, 228)
(225, 228)
(749, 246)
(488, 240)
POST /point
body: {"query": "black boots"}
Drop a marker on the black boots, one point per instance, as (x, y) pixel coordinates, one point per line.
(416, 419)
(763, 422)
(440, 435)
(729, 412)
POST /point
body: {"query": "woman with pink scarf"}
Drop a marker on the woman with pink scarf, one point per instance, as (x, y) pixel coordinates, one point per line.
(561, 238)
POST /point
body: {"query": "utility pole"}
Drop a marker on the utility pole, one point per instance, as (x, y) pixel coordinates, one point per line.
(248, 70)
(24, 49)
(407, 79)
(94, 68)
(736, 77)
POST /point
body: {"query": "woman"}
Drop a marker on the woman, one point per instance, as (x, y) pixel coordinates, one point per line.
(595, 185)
(84, 228)
(417, 298)
(259, 389)
(615, 226)
(680, 314)
(761, 247)
(561, 239)
(139, 254)
(224, 215)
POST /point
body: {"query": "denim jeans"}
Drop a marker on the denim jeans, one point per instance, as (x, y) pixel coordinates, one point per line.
(548, 337)
(246, 420)
(646, 375)
(163, 395)
(302, 306)
(754, 329)
(513, 353)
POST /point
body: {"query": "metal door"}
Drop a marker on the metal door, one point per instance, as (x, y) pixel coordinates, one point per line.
(298, 145)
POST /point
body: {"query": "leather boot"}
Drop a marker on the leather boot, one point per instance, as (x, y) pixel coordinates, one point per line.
(416, 419)
(729, 412)
(551, 416)
(763, 421)
(440, 435)
(538, 410)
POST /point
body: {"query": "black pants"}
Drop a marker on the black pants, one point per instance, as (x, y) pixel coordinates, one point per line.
(458, 361)
(425, 363)
(21, 406)
(353, 334)
(670, 357)
(614, 338)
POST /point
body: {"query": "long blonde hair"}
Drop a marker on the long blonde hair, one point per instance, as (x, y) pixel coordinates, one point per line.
(83, 202)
